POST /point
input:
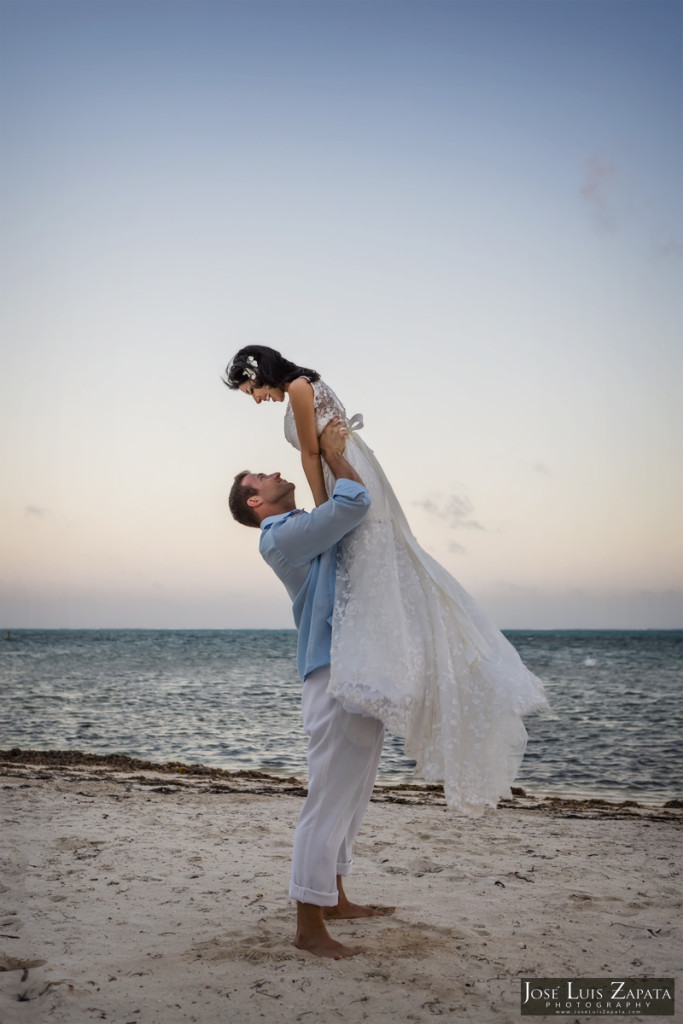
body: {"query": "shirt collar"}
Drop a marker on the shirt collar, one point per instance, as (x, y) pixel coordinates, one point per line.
(280, 518)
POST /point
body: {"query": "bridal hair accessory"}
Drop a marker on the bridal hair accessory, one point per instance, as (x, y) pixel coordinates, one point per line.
(250, 369)
(246, 371)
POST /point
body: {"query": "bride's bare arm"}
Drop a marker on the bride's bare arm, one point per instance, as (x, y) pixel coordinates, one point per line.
(300, 395)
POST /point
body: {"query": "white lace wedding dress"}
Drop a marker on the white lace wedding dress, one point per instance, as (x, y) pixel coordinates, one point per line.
(411, 647)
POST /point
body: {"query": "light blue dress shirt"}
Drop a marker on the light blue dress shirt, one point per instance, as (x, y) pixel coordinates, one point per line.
(301, 547)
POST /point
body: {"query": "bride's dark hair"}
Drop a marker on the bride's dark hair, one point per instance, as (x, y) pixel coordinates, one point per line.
(264, 365)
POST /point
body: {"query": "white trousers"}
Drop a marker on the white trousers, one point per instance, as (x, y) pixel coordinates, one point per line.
(343, 754)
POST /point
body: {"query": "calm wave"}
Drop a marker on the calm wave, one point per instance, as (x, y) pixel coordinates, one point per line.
(231, 699)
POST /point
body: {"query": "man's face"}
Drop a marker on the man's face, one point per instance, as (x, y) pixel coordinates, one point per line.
(270, 487)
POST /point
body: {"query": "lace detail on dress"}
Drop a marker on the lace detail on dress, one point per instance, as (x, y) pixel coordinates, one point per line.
(411, 647)
(326, 405)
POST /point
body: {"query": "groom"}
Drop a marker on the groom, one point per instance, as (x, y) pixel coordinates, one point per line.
(343, 748)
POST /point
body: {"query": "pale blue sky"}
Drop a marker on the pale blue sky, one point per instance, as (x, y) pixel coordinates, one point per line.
(466, 215)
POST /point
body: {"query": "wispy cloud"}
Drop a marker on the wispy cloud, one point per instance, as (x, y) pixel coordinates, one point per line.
(36, 510)
(668, 248)
(455, 510)
(598, 191)
(614, 201)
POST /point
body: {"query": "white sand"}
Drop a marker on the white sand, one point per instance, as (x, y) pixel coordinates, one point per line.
(157, 898)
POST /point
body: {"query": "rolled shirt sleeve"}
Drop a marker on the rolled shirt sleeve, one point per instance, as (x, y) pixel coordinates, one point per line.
(310, 534)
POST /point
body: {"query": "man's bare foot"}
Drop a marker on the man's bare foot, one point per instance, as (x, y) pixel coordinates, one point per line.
(346, 910)
(322, 944)
(313, 936)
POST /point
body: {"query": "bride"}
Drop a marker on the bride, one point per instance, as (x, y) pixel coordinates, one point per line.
(409, 645)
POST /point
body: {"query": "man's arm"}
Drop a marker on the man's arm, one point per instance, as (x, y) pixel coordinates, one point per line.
(301, 537)
(332, 445)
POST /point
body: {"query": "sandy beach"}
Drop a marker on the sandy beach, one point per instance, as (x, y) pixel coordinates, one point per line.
(138, 894)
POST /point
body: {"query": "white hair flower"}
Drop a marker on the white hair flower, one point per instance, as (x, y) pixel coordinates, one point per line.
(250, 369)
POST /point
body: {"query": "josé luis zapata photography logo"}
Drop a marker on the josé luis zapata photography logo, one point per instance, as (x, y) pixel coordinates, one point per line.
(618, 997)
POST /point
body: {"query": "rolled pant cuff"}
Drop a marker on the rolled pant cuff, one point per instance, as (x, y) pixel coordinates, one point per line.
(346, 868)
(319, 899)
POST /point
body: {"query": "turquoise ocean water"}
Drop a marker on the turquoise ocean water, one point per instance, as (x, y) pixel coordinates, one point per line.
(231, 699)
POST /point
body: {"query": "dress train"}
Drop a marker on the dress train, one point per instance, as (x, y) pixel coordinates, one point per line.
(412, 648)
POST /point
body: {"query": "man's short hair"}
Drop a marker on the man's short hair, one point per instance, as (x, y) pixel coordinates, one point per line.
(239, 493)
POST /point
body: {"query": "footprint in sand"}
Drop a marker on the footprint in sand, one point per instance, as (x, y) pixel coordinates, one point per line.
(266, 946)
(12, 963)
